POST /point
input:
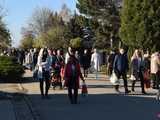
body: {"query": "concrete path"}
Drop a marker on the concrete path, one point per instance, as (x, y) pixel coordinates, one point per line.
(6, 110)
(102, 103)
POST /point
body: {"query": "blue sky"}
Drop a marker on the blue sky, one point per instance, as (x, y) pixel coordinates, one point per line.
(20, 11)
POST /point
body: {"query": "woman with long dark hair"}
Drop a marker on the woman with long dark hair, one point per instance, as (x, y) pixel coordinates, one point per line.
(44, 71)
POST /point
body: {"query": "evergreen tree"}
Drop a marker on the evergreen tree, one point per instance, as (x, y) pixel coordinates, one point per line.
(105, 13)
(5, 39)
(140, 24)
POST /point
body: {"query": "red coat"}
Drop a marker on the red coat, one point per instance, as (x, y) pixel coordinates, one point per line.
(68, 74)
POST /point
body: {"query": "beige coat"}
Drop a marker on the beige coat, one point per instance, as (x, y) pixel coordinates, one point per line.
(155, 63)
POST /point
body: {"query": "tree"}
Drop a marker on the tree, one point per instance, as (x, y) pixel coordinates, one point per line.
(48, 29)
(54, 38)
(27, 40)
(5, 38)
(41, 21)
(78, 27)
(105, 13)
(76, 43)
(75, 26)
(140, 24)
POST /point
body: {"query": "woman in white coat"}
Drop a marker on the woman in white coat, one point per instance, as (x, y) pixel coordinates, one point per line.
(44, 71)
(95, 62)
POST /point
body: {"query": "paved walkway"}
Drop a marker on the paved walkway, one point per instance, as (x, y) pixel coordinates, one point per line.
(6, 110)
(6, 107)
(101, 103)
(13, 103)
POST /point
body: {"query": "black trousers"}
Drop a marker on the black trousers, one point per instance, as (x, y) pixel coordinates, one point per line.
(46, 79)
(155, 80)
(140, 75)
(72, 86)
(110, 71)
(85, 72)
(124, 77)
(73, 97)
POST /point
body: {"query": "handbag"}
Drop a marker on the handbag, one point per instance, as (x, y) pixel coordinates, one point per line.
(147, 82)
(84, 90)
(114, 79)
(35, 73)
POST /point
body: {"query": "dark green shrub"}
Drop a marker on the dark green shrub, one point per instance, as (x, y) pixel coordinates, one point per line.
(10, 70)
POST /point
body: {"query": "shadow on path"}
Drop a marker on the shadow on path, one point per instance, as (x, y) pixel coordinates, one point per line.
(96, 107)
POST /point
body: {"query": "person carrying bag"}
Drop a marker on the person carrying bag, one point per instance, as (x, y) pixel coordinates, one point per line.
(72, 73)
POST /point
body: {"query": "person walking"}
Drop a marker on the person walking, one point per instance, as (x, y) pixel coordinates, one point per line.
(60, 63)
(120, 67)
(110, 62)
(146, 74)
(21, 56)
(95, 62)
(137, 69)
(77, 55)
(155, 71)
(67, 55)
(44, 71)
(29, 59)
(35, 57)
(72, 73)
(85, 62)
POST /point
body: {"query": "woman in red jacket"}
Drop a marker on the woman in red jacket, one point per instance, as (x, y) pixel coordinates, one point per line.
(72, 73)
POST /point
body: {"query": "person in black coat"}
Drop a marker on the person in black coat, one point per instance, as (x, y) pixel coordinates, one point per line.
(110, 62)
(86, 62)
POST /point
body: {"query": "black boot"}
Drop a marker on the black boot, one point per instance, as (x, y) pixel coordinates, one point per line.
(133, 84)
(117, 88)
(60, 84)
(41, 88)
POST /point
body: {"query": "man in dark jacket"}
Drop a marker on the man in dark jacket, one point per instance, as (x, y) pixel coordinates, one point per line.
(120, 67)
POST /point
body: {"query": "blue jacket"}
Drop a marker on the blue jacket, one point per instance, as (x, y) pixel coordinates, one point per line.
(120, 63)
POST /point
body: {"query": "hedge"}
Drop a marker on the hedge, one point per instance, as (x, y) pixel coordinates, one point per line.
(10, 70)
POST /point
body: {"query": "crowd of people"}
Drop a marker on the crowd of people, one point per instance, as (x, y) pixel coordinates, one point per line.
(143, 67)
(52, 67)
